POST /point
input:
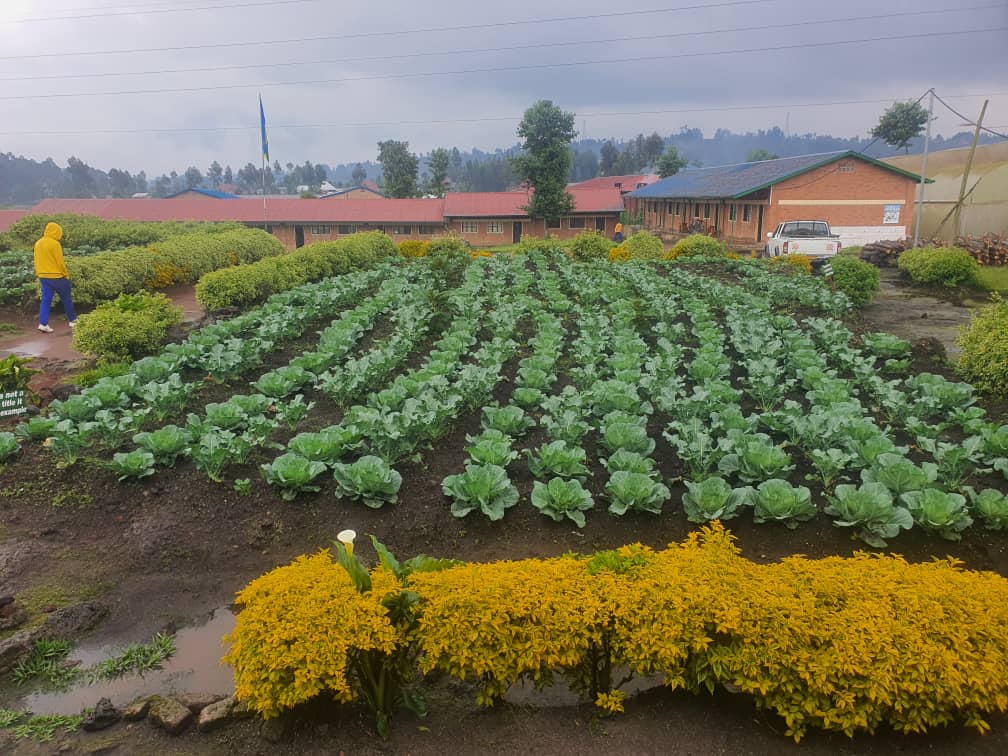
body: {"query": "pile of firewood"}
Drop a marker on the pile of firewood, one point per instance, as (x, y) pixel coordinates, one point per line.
(989, 249)
(884, 253)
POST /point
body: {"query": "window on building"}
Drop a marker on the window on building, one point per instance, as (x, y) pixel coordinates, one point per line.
(320, 230)
(731, 212)
(346, 228)
(427, 230)
(846, 166)
(747, 213)
(677, 208)
(552, 223)
(470, 227)
(402, 230)
(706, 211)
(696, 209)
(495, 227)
(576, 222)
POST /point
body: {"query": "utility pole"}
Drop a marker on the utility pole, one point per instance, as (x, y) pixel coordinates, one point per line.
(966, 173)
(923, 177)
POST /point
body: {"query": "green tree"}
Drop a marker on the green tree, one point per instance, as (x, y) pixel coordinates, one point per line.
(545, 162)
(228, 175)
(671, 162)
(437, 164)
(193, 177)
(120, 182)
(215, 174)
(758, 156)
(652, 148)
(400, 167)
(608, 156)
(82, 181)
(358, 175)
(901, 123)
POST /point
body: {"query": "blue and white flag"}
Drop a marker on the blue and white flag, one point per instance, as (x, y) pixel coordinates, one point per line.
(262, 129)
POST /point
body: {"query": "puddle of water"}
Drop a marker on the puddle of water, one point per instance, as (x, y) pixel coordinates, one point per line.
(195, 668)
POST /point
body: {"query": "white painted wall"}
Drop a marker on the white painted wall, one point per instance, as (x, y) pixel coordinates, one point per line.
(858, 236)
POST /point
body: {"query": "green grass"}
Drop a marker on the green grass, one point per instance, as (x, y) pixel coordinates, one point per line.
(851, 251)
(500, 248)
(6, 328)
(45, 662)
(91, 376)
(24, 725)
(993, 277)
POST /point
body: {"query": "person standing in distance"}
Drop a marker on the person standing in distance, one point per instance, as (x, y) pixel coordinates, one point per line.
(51, 270)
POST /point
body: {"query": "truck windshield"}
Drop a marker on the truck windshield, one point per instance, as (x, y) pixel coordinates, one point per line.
(805, 228)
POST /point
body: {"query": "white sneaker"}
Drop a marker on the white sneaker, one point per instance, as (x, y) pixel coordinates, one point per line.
(73, 323)
(44, 328)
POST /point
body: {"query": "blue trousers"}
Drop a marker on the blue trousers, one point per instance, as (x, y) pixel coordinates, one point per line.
(51, 287)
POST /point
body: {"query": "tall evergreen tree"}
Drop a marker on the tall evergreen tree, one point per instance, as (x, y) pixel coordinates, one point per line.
(545, 161)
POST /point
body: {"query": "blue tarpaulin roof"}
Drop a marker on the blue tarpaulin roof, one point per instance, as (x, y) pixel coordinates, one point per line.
(216, 194)
(735, 181)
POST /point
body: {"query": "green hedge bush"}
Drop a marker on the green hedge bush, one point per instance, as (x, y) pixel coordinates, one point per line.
(940, 266)
(242, 285)
(645, 246)
(984, 343)
(177, 259)
(91, 231)
(130, 327)
(590, 245)
(697, 244)
(857, 279)
(534, 244)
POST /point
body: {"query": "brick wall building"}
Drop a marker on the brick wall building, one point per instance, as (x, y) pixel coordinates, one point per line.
(863, 200)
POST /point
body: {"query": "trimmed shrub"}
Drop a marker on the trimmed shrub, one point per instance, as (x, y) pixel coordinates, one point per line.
(855, 278)
(243, 285)
(178, 259)
(795, 262)
(590, 245)
(537, 244)
(91, 231)
(645, 246)
(803, 637)
(984, 343)
(696, 244)
(130, 327)
(413, 248)
(447, 246)
(940, 266)
(619, 254)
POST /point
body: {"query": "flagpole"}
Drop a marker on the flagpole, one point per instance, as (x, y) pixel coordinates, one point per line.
(265, 215)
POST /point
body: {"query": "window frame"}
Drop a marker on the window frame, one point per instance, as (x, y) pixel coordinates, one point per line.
(581, 219)
(320, 229)
(732, 212)
(706, 211)
(469, 226)
(495, 227)
(350, 228)
(557, 227)
(746, 213)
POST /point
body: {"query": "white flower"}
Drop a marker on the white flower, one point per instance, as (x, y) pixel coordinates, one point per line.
(346, 537)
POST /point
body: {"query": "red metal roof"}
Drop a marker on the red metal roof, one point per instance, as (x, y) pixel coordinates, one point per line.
(627, 183)
(250, 210)
(510, 204)
(7, 218)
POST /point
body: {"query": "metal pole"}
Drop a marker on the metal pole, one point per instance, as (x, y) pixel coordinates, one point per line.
(923, 178)
(966, 173)
(265, 217)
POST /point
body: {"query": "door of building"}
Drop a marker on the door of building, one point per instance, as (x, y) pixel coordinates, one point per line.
(516, 231)
(298, 236)
(600, 225)
(759, 225)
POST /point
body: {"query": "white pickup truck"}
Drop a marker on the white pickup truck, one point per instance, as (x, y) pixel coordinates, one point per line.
(810, 238)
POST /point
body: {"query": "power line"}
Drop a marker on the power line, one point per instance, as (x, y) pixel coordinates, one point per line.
(153, 11)
(498, 69)
(512, 48)
(399, 32)
(968, 120)
(482, 119)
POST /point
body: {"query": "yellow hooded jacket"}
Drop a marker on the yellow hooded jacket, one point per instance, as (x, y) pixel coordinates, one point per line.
(49, 261)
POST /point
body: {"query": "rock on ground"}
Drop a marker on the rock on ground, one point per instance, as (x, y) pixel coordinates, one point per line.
(104, 715)
(170, 715)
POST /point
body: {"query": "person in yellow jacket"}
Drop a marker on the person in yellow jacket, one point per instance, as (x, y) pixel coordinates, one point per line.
(51, 270)
(618, 236)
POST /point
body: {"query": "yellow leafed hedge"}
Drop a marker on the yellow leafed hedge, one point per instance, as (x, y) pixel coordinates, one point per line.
(843, 644)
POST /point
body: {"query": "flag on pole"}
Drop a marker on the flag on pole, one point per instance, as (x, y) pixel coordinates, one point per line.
(262, 129)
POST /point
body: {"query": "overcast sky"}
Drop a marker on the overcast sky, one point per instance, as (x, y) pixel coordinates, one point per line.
(370, 89)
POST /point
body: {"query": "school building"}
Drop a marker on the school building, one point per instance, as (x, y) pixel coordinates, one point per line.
(863, 199)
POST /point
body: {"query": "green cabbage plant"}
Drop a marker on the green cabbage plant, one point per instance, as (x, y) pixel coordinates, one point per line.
(712, 499)
(629, 461)
(636, 491)
(869, 507)
(491, 447)
(940, 512)
(510, 420)
(292, 474)
(756, 459)
(899, 474)
(327, 446)
(36, 428)
(135, 464)
(167, 444)
(483, 487)
(558, 458)
(9, 445)
(370, 479)
(991, 506)
(778, 500)
(628, 436)
(561, 498)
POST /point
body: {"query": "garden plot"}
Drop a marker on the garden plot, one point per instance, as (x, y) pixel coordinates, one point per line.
(581, 390)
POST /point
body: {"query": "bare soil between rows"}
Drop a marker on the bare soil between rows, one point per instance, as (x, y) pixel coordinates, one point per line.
(163, 552)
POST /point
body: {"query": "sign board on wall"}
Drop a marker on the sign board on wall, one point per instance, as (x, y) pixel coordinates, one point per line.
(891, 214)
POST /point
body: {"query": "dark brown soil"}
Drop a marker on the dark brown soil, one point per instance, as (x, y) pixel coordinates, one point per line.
(166, 550)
